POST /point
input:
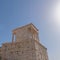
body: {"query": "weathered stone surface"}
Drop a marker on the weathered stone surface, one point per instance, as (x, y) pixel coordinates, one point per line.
(0, 53)
(25, 45)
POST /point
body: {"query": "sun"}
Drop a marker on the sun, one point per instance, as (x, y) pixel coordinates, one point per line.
(56, 13)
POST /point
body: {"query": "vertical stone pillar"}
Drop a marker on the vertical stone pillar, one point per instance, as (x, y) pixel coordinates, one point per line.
(12, 37)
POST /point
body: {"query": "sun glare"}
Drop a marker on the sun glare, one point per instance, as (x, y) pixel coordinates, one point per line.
(56, 13)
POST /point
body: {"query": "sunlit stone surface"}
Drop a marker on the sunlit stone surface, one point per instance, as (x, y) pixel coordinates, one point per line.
(25, 45)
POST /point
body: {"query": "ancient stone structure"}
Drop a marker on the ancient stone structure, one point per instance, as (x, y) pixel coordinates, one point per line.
(25, 45)
(0, 53)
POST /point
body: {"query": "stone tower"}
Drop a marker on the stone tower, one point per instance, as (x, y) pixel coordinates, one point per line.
(26, 32)
(25, 45)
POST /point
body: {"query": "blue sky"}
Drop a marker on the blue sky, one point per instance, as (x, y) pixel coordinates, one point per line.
(44, 14)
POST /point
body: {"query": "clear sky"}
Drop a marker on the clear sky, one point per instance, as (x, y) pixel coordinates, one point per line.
(44, 14)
